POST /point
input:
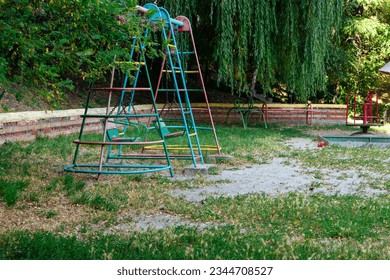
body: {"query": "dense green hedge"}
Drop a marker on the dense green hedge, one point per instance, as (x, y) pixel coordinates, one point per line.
(54, 45)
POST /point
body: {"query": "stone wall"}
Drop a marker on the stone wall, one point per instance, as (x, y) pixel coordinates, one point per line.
(25, 126)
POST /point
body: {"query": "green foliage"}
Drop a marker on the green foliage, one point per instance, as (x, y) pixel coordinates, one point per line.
(313, 49)
(305, 34)
(366, 42)
(277, 41)
(53, 45)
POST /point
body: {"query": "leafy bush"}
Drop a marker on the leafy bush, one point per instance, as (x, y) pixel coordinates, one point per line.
(365, 46)
(51, 46)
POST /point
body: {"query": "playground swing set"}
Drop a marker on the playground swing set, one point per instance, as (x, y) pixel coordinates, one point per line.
(124, 128)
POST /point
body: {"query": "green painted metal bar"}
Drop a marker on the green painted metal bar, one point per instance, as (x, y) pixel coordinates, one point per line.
(76, 153)
(140, 169)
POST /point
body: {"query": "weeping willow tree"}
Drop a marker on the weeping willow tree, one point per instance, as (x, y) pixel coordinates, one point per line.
(305, 30)
(267, 41)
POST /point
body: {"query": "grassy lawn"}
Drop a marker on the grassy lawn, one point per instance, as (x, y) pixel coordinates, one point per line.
(46, 213)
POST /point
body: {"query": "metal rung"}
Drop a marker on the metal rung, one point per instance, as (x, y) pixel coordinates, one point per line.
(108, 89)
(186, 52)
(181, 90)
(130, 62)
(187, 71)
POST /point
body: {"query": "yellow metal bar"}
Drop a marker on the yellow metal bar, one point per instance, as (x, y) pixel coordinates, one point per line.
(181, 147)
(130, 62)
(188, 71)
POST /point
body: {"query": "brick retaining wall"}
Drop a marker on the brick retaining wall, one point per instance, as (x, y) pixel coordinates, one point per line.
(25, 126)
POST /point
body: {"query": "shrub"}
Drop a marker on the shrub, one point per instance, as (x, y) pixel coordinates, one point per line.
(51, 46)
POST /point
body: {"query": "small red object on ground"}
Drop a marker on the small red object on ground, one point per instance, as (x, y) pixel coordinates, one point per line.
(321, 144)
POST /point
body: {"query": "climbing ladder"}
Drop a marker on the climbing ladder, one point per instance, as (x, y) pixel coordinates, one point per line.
(173, 68)
(123, 127)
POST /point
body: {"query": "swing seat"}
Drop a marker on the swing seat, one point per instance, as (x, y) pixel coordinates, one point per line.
(164, 131)
(114, 135)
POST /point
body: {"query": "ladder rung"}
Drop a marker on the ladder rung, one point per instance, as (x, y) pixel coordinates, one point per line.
(108, 89)
(192, 71)
(130, 62)
(189, 90)
(172, 46)
(187, 71)
(186, 52)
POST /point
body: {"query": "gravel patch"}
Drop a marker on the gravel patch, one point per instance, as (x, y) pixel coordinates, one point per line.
(156, 222)
(283, 176)
(301, 144)
(275, 178)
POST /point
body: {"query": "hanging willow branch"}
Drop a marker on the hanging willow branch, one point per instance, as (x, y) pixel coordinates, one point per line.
(305, 31)
(284, 41)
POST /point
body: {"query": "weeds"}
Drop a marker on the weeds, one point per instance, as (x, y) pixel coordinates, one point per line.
(10, 191)
(96, 201)
(71, 185)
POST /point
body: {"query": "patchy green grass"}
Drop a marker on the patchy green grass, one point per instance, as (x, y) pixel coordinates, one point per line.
(245, 227)
(9, 190)
(50, 214)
